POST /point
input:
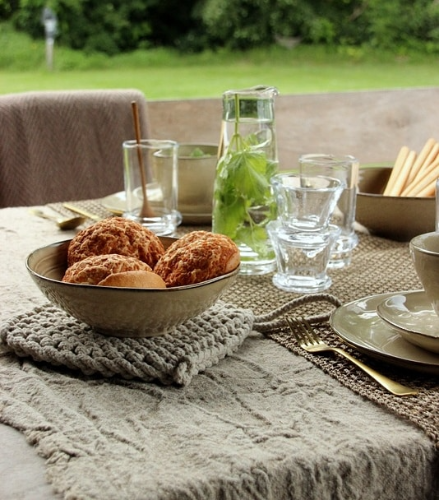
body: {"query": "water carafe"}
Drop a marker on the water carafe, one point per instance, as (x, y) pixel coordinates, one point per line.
(243, 202)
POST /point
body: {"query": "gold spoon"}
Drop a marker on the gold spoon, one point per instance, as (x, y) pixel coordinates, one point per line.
(62, 222)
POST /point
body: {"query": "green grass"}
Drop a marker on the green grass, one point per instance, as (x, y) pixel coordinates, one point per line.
(164, 74)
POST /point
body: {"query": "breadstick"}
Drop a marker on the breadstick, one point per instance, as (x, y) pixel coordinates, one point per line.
(430, 159)
(424, 168)
(429, 178)
(399, 163)
(400, 182)
(421, 182)
(429, 191)
(425, 151)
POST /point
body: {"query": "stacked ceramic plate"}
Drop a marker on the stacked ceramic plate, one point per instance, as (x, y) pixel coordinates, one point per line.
(401, 328)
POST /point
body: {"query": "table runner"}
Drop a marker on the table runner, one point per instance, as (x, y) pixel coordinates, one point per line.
(378, 266)
(262, 424)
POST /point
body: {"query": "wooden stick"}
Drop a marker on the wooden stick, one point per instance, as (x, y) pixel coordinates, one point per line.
(146, 210)
(396, 170)
(400, 182)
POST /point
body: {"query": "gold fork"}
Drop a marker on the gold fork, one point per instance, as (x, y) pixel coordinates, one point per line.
(309, 340)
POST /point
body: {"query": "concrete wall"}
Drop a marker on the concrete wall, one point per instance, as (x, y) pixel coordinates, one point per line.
(371, 125)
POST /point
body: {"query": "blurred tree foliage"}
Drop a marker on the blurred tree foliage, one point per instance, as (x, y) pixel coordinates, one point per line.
(194, 25)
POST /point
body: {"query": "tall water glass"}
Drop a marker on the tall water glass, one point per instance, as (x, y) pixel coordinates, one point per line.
(346, 169)
(151, 184)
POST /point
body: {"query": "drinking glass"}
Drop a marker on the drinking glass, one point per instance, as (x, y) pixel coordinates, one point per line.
(302, 257)
(346, 169)
(302, 236)
(151, 184)
(305, 202)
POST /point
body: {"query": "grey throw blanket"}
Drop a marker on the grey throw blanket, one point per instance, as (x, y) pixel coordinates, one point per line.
(64, 145)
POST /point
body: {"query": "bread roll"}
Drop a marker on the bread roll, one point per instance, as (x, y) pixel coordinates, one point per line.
(116, 235)
(134, 279)
(197, 256)
(94, 269)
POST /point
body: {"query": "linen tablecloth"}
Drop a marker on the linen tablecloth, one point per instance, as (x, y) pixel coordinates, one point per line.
(264, 423)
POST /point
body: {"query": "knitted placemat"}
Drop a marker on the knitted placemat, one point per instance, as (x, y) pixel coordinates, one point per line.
(48, 334)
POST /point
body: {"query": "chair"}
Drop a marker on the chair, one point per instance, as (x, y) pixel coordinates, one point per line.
(64, 145)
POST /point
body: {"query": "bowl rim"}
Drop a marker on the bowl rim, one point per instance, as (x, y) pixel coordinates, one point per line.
(381, 196)
(108, 288)
(414, 246)
(406, 331)
(385, 166)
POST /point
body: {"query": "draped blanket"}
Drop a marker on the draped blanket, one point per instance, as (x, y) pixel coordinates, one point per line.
(64, 145)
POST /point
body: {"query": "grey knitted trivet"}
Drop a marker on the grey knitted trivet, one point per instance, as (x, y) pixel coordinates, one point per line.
(48, 334)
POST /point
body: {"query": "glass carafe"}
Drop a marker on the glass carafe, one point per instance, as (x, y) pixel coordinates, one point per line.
(243, 202)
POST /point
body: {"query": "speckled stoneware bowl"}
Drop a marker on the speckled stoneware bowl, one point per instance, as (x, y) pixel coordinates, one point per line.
(395, 217)
(122, 312)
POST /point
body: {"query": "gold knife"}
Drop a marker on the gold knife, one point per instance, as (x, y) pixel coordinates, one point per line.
(81, 211)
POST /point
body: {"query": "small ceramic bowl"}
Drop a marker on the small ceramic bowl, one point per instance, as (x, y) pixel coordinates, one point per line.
(122, 312)
(196, 177)
(394, 217)
(412, 316)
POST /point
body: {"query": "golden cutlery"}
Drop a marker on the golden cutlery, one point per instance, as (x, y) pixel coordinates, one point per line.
(309, 340)
(63, 223)
(81, 211)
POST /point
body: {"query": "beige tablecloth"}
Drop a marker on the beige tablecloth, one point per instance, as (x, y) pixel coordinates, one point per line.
(264, 423)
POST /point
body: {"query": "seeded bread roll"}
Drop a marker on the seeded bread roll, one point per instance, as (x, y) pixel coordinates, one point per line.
(134, 279)
(116, 235)
(197, 256)
(94, 269)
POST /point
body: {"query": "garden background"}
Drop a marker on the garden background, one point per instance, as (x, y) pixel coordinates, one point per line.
(173, 49)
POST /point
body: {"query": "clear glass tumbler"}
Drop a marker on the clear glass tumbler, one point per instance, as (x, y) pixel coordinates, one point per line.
(306, 202)
(346, 169)
(151, 184)
(302, 257)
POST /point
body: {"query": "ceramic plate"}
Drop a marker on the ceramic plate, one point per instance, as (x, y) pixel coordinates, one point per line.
(413, 316)
(360, 326)
(115, 203)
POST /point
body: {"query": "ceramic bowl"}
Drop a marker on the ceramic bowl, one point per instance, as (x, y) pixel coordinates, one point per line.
(412, 316)
(122, 312)
(424, 250)
(196, 176)
(394, 217)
